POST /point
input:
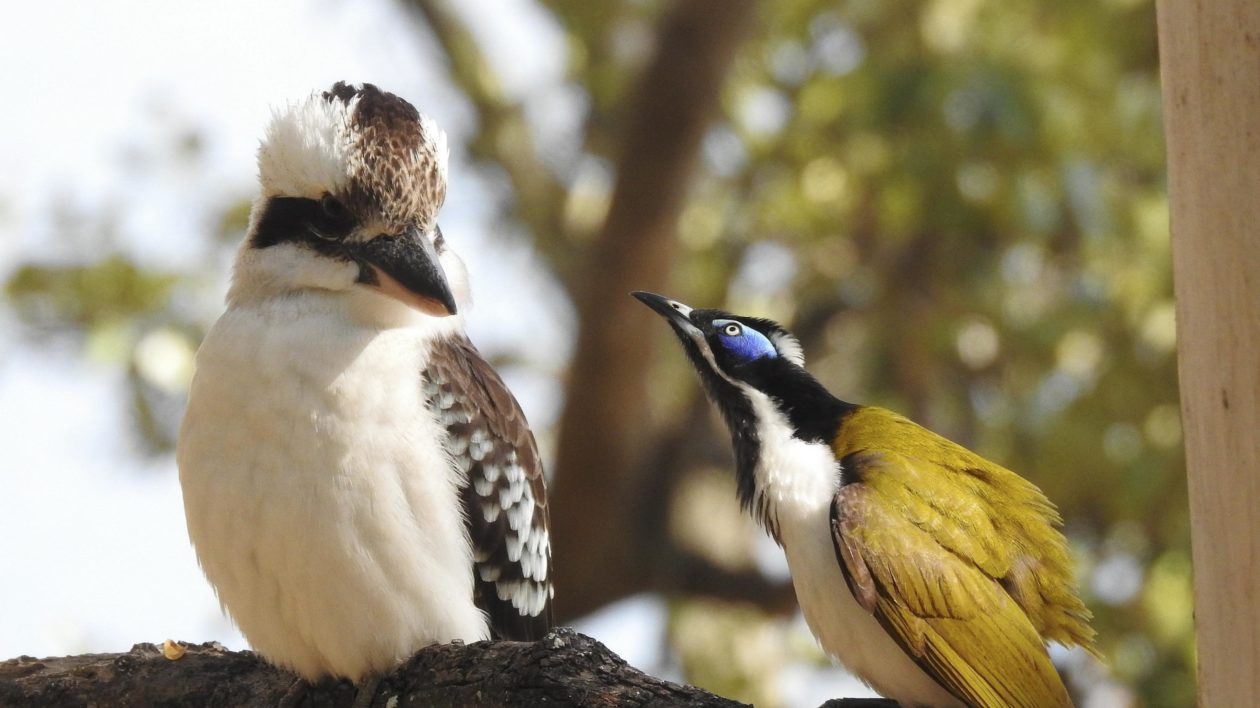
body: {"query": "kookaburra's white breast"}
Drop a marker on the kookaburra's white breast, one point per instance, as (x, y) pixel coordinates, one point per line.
(326, 510)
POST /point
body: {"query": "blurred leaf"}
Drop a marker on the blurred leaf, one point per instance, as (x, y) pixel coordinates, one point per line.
(89, 296)
(731, 650)
(234, 221)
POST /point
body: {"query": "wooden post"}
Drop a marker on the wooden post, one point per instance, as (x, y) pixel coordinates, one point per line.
(1210, 56)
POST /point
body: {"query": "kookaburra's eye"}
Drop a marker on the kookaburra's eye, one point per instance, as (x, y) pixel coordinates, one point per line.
(732, 330)
(332, 207)
(333, 221)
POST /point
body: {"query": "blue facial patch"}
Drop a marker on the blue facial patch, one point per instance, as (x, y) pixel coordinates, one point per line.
(745, 343)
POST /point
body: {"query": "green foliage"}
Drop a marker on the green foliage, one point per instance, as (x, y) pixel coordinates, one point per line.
(729, 649)
(87, 297)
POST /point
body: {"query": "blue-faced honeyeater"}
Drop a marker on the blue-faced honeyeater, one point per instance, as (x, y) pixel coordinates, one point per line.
(933, 574)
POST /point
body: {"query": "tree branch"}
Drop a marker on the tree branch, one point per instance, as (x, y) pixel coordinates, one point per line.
(562, 669)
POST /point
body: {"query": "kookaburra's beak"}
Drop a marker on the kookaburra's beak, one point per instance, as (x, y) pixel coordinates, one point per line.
(406, 268)
(676, 313)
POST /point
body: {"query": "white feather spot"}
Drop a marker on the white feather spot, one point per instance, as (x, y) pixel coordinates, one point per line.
(515, 544)
(490, 511)
(484, 486)
(479, 446)
(540, 567)
(525, 596)
(521, 515)
(510, 495)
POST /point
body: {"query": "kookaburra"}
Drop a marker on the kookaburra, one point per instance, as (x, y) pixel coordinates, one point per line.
(934, 575)
(358, 481)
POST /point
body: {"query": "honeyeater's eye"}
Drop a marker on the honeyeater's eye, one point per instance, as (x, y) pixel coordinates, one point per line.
(743, 342)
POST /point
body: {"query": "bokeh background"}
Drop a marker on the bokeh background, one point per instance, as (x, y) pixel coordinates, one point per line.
(959, 205)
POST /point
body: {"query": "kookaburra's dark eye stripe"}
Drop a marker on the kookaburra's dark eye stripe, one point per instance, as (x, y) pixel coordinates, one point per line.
(300, 220)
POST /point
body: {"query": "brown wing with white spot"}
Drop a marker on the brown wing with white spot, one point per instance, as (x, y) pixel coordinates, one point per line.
(505, 496)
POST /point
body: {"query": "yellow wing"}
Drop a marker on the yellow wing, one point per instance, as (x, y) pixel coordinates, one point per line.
(927, 556)
(981, 512)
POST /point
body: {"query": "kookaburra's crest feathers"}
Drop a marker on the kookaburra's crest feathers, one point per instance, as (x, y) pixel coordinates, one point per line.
(366, 146)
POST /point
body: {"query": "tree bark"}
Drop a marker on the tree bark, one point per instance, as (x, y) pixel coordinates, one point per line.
(604, 425)
(1210, 56)
(562, 669)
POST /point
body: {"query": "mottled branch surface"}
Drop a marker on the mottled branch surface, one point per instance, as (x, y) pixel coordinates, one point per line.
(562, 669)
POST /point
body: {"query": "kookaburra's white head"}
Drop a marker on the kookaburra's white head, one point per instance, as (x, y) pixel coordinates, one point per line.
(351, 183)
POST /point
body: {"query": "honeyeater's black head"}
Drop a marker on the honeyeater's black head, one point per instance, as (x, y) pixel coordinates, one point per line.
(730, 350)
(753, 370)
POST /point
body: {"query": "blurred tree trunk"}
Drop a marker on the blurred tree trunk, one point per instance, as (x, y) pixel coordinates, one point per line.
(599, 471)
(1211, 72)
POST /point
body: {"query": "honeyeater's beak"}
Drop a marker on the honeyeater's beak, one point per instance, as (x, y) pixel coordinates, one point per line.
(674, 312)
(406, 268)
